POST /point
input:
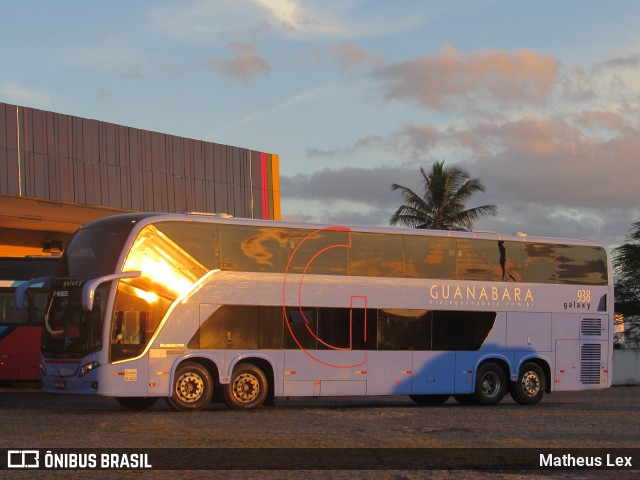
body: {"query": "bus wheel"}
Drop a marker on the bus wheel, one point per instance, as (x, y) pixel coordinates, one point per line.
(136, 403)
(192, 388)
(247, 389)
(429, 399)
(490, 384)
(530, 386)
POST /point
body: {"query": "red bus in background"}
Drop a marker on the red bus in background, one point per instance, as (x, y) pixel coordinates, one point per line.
(20, 329)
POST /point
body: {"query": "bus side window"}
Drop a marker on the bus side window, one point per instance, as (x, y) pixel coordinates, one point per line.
(303, 325)
(38, 301)
(8, 312)
(130, 327)
(375, 255)
(133, 328)
(403, 329)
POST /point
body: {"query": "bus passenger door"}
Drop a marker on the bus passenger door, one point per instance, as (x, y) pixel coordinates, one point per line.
(325, 350)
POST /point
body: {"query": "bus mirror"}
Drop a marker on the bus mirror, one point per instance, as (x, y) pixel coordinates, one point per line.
(89, 289)
(21, 290)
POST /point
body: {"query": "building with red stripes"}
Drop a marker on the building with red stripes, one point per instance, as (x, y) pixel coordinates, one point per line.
(58, 172)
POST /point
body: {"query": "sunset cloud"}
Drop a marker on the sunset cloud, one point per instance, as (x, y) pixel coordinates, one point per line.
(244, 66)
(351, 56)
(450, 77)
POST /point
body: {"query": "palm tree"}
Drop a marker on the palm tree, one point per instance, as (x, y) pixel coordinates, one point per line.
(626, 264)
(446, 189)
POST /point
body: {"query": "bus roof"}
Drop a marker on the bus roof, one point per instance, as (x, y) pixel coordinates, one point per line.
(147, 218)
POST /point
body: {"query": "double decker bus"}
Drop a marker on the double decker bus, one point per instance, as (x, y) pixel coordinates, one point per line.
(20, 325)
(182, 306)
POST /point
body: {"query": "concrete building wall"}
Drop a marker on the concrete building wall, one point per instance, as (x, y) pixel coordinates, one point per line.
(54, 160)
(77, 160)
(626, 366)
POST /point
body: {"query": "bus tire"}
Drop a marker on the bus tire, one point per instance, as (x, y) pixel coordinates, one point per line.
(247, 389)
(530, 386)
(427, 400)
(136, 403)
(491, 384)
(192, 388)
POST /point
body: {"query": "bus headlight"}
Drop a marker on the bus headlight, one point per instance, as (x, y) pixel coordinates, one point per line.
(88, 368)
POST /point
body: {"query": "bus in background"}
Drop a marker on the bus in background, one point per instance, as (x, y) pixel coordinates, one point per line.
(184, 305)
(20, 329)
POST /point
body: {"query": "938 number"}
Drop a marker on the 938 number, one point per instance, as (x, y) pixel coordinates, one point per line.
(584, 295)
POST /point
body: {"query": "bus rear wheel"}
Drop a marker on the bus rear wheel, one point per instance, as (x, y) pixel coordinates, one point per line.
(490, 384)
(136, 403)
(429, 399)
(247, 389)
(530, 386)
(192, 388)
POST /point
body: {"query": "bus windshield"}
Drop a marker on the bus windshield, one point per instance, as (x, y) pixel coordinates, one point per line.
(69, 331)
(93, 252)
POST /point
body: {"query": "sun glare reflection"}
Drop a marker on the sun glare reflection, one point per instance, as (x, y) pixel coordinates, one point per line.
(167, 269)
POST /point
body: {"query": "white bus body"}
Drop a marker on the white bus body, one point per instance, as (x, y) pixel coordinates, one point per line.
(181, 306)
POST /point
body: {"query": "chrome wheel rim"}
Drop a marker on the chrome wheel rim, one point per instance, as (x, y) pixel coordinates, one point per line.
(189, 387)
(246, 388)
(530, 383)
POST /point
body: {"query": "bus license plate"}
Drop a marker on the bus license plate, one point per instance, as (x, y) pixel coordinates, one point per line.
(61, 384)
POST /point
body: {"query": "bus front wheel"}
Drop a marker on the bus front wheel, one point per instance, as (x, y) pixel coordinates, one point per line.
(491, 384)
(192, 388)
(530, 386)
(247, 389)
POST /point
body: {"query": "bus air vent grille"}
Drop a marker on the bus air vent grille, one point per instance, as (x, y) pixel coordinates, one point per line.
(591, 327)
(591, 359)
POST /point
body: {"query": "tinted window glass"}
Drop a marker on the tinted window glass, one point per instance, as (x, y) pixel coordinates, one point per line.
(375, 255)
(133, 324)
(463, 331)
(539, 264)
(318, 252)
(38, 305)
(271, 327)
(480, 260)
(302, 324)
(229, 327)
(581, 265)
(403, 329)
(8, 312)
(429, 257)
(168, 268)
(94, 251)
(199, 240)
(254, 249)
(334, 328)
(346, 328)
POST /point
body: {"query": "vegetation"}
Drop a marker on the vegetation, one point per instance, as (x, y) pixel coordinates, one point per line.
(626, 264)
(442, 207)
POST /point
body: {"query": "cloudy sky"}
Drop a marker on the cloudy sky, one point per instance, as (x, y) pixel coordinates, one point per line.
(541, 100)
